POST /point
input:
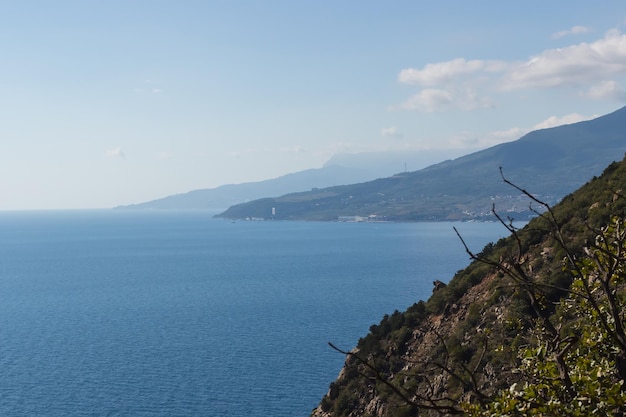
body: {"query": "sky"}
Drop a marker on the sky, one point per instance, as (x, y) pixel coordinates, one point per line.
(106, 103)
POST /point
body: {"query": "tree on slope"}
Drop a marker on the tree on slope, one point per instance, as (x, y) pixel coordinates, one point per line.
(570, 356)
(575, 364)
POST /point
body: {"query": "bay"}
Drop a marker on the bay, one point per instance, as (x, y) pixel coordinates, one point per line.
(110, 313)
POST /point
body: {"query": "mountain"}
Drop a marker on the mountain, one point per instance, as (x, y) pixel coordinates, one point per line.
(533, 326)
(225, 196)
(340, 169)
(553, 161)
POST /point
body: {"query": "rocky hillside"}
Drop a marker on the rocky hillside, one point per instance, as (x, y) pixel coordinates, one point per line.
(462, 346)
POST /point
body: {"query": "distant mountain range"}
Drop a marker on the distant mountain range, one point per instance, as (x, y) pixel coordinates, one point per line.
(341, 169)
(549, 162)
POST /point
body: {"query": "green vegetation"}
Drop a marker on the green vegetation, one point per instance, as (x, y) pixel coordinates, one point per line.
(533, 326)
(576, 364)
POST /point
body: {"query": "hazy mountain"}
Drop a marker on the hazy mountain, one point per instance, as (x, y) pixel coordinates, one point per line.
(339, 170)
(551, 162)
(225, 196)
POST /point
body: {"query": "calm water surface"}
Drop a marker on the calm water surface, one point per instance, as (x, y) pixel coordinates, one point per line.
(106, 313)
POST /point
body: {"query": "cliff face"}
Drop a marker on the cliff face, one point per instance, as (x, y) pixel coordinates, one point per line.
(417, 362)
(461, 345)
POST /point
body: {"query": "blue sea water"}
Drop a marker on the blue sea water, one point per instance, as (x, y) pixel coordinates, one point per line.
(111, 313)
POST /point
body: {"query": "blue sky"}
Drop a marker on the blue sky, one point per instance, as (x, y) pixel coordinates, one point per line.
(119, 102)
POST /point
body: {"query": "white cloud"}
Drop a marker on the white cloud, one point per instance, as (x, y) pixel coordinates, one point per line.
(554, 121)
(471, 141)
(514, 133)
(115, 153)
(576, 30)
(453, 85)
(429, 100)
(453, 145)
(605, 90)
(444, 72)
(432, 100)
(501, 136)
(575, 65)
(467, 140)
(390, 132)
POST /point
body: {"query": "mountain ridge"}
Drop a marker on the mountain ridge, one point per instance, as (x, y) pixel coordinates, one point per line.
(339, 169)
(224, 196)
(555, 160)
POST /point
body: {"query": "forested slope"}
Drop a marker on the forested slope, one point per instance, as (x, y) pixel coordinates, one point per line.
(533, 324)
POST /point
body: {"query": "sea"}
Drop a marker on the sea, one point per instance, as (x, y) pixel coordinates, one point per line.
(126, 313)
